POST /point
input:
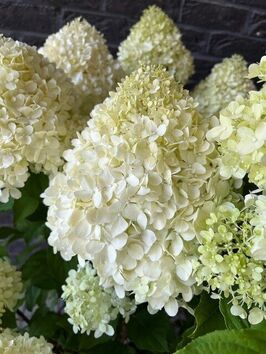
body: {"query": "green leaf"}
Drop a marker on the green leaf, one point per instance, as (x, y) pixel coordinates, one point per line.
(232, 322)
(185, 337)
(208, 316)
(46, 270)
(7, 206)
(76, 342)
(244, 341)
(43, 324)
(110, 347)
(3, 251)
(8, 320)
(207, 319)
(149, 332)
(9, 233)
(30, 203)
(32, 296)
(24, 207)
(260, 326)
(86, 342)
(35, 270)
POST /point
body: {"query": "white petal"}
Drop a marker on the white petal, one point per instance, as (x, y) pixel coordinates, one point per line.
(119, 241)
(132, 180)
(131, 212)
(159, 222)
(237, 310)
(171, 307)
(184, 270)
(119, 226)
(111, 254)
(161, 129)
(155, 252)
(120, 291)
(97, 198)
(148, 237)
(135, 251)
(177, 245)
(187, 294)
(258, 251)
(94, 247)
(143, 191)
(142, 221)
(129, 263)
(255, 316)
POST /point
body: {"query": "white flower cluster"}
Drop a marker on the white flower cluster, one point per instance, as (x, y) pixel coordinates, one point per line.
(241, 134)
(90, 307)
(131, 188)
(154, 40)
(14, 343)
(233, 254)
(10, 286)
(37, 119)
(81, 52)
(227, 80)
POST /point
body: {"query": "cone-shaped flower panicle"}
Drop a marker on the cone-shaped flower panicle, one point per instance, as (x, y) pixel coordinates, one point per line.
(38, 115)
(10, 286)
(131, 188)
(241, 134)
(227, 80)
(232, 260)
(90, 307)
(14, 343)
(81, 51)
(155, 39)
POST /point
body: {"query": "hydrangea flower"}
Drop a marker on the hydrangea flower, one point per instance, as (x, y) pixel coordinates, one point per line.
(10, 286)
(37, 118)
(81, 51)
(241, 135)
(233, 254)
(155, 39)
(90, 307)
(14, 343)
(227, 80)
(131, 188)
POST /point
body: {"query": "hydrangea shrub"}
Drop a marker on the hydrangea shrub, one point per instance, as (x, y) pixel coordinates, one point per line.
(141, 230)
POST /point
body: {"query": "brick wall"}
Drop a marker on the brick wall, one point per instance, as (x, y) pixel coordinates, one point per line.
(212, 29)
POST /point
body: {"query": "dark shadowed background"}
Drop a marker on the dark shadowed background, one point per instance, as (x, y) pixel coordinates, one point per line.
(212, 29)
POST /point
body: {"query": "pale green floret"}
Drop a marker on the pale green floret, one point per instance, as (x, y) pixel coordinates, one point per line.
(10, 286)
(233, 254)
(241, 135)
(227, 80)
(90, 307)
(258, 70)
(14, 343)
(155, 39)
(81, 52)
